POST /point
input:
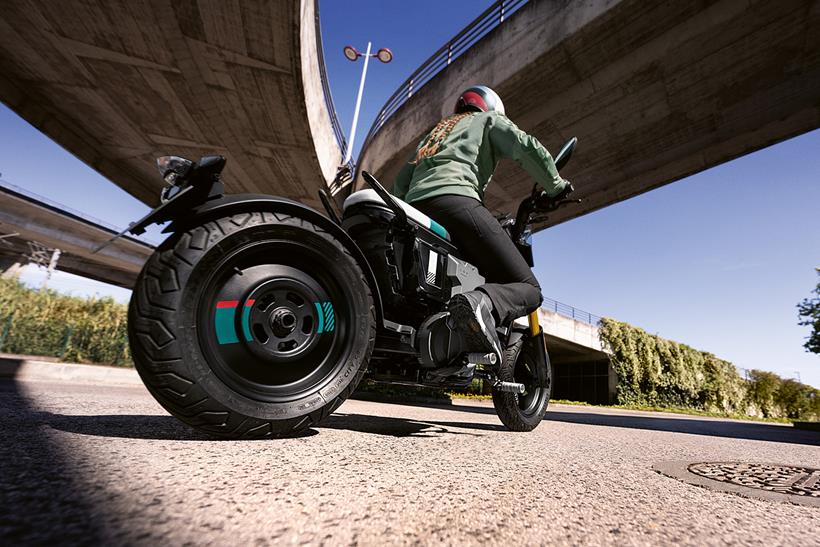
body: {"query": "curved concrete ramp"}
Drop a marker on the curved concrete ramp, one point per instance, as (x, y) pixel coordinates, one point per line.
(118, 83)
(655, 90)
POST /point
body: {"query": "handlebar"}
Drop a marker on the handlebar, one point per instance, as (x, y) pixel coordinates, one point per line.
(538, 201)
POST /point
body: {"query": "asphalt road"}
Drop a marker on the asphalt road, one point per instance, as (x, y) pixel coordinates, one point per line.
(96, 464)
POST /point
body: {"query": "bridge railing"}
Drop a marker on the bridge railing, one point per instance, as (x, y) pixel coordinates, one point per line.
(492, 17)
(331, 109)
(568, 311)
(42, 201)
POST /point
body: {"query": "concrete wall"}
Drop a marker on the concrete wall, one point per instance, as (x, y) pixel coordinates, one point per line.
(570, 330)
(655, 90)
(581, 365)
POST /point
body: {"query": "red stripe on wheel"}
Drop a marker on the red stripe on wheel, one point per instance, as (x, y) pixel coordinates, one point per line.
(227, 303)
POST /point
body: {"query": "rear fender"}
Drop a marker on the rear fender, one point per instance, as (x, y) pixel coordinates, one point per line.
(232, 204)
(517, 332)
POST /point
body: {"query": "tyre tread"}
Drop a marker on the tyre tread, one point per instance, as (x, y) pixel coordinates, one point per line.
(505, 403)
(156, 349)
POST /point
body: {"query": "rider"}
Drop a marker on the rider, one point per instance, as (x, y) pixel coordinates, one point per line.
(446, 179)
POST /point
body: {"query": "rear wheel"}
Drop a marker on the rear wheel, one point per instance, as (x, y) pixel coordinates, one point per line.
(523, 364)
(254, 325)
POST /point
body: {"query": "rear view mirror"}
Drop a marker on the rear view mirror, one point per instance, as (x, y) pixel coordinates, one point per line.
(566, 152)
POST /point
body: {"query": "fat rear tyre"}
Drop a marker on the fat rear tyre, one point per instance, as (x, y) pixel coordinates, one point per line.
(523, 364)
(251, 326)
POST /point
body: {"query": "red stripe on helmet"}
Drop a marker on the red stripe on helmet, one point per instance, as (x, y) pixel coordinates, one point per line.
(472, 98)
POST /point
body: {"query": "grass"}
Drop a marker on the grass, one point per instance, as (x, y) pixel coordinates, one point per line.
(679, 410)
(644, 408)
(470, 396)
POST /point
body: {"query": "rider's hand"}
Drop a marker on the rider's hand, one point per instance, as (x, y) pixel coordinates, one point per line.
(547, 202)
(563, 194)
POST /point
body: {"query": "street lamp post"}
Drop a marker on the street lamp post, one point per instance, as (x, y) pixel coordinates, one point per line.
(352, 54)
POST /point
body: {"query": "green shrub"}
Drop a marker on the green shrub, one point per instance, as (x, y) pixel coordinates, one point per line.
(762, 391)
(86, 330)
(658, 372)
(653, 371)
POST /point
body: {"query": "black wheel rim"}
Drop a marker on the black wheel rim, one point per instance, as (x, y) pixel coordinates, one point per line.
(275, 332)
(536, 383)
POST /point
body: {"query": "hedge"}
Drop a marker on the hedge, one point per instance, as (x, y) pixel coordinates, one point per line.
(46, 323)
(653, 371)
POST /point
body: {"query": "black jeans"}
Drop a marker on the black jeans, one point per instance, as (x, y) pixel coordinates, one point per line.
(482, 242)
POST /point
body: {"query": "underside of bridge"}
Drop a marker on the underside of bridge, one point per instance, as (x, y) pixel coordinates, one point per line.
(26, 221)
(654, 90)
(118, 83)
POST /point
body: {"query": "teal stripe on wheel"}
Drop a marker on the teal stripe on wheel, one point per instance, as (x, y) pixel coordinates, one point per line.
(246, 328)
(330, 319)
(320, 312)
(224, 324)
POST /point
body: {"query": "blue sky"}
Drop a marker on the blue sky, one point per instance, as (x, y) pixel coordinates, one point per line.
(717, 261)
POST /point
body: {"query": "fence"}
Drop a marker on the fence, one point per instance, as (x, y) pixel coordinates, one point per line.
(568, 311)
(492, 17)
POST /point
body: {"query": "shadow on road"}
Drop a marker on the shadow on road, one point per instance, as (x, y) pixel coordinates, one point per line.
(468, 425)
(43, 498)
(757, 431)
(715, 428)
(168, 428)
(393, 427)
(124, 426)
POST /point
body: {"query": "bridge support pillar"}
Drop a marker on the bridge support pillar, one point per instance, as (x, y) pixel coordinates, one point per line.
(11, 267)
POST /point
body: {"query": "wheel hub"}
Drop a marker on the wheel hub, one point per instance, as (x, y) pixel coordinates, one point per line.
(282, 322)
(272, 329)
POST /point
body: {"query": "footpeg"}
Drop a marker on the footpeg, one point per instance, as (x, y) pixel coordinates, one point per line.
(482, 358)
(510, 387)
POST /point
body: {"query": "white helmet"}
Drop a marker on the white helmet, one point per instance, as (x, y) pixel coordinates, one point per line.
(479, 98)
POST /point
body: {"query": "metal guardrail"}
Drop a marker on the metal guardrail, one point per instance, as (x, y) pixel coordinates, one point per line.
(492, 17)
(568, 311)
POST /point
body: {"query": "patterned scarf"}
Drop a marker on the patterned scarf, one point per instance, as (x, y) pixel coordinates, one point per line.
(438, 134)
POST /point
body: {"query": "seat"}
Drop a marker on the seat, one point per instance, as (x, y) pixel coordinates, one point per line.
(370, 196)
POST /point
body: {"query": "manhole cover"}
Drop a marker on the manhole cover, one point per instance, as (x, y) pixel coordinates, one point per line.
(786, 479)
(789, 483)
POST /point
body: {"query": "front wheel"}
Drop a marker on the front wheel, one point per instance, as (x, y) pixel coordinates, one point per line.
(524, 364)
(253, 325)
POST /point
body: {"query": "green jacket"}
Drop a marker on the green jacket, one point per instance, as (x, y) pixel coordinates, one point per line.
(459, 155)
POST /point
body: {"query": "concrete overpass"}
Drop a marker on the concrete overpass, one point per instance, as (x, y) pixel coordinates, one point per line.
(582, 370)
(655, 90)
(120, 82)
(36, 220)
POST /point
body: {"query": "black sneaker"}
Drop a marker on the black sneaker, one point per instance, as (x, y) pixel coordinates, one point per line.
(471, 316)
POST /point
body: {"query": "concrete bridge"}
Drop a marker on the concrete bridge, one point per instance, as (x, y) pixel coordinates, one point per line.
(118, 83)
(582, 370)
(655, 90)
(35, 220)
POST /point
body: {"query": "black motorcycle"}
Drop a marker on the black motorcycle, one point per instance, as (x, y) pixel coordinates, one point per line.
(259, 316)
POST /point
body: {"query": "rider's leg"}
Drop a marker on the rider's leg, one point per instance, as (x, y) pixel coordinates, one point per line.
(511, 285)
